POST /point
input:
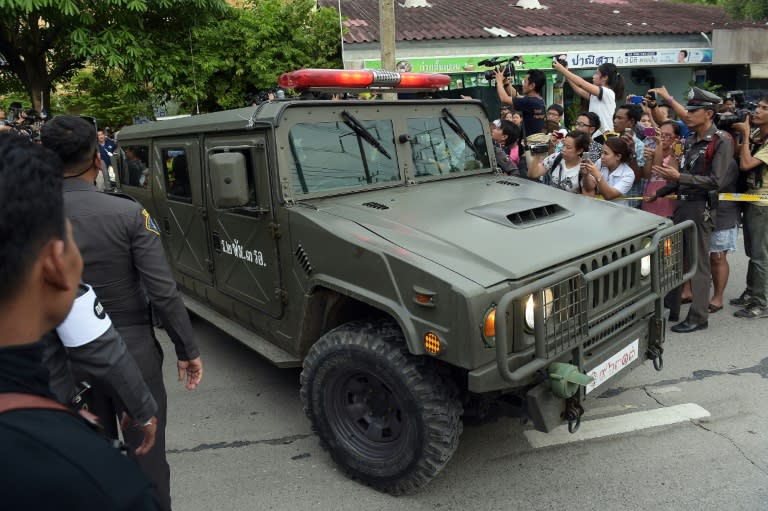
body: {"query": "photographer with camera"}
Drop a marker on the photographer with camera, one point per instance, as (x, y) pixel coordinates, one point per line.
(530, 103)
(753, 158)
(661, 113)
(708, 153)
(563, 170)
(607, 84)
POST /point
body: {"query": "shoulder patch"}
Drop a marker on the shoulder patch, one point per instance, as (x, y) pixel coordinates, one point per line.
(149, 222)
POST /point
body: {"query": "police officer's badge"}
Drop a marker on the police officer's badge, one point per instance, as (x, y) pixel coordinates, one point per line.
(149, 222)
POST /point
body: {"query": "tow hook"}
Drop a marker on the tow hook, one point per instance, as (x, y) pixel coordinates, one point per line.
(654, 353)
(573, 413)
(565, 379)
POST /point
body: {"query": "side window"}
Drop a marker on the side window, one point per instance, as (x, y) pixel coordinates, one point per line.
(134, 165)
(176, 172)
(330, 156)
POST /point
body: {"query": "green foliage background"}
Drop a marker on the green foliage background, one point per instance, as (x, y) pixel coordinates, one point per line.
(115, 59)
(751, 10)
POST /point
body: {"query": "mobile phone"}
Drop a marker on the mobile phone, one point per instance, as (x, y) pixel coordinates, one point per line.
(636, 100)
(629, 131)
(585, 158)
(649, 132)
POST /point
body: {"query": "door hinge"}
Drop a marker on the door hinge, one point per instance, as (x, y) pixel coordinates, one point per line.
(209, 263)
(203, 213)
(281, 295)
(274, 230)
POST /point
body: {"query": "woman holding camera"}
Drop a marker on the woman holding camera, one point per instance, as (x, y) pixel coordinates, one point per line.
(611, 176)
(662, 154)
(607, 84)
(562, 170)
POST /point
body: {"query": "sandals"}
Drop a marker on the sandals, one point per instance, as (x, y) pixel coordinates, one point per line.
(714, 308)
(686, 300)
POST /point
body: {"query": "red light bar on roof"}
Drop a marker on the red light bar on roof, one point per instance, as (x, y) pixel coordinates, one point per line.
(345, 79)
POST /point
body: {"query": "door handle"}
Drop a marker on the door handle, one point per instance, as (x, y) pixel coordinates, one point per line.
(166, 225)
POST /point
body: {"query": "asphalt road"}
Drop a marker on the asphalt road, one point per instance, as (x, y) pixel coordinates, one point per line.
(241, 441)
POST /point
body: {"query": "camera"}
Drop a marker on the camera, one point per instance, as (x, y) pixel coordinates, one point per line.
(506, 66)
(726, 122)
(560, 59)
(651, 95)
(540, 148)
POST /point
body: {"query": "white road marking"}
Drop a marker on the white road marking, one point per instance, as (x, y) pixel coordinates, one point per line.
(626, 423)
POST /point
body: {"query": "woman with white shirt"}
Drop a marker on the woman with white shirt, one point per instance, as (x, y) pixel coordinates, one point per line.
(610, 176)
(607, 84)
(562, 170)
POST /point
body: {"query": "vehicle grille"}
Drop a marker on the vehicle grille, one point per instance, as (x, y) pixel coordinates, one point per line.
(616, 287)
(565, 315)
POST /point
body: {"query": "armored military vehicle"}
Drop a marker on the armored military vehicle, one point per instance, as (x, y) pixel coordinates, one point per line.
(373, 243)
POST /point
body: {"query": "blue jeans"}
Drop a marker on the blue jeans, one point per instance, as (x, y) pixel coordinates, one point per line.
(756, 247)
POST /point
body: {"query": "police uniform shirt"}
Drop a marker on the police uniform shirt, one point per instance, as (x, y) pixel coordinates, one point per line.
(121, 247)
(695, 178)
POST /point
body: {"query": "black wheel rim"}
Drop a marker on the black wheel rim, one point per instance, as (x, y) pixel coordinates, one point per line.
(366, 414)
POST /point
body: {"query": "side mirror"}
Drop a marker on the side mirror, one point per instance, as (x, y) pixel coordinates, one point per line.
(229, 179)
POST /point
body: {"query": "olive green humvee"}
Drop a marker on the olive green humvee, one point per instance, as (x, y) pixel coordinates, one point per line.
(372, 243)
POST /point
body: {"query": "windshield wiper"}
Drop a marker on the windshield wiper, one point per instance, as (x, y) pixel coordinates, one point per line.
(453, 123)
(356, 126)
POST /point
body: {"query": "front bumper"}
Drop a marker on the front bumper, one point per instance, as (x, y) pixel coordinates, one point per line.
(575, 329)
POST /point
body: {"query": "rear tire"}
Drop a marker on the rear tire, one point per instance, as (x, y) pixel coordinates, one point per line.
(386, 417)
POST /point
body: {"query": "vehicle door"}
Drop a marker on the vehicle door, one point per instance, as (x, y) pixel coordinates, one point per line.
(178, 190)
(243, 237)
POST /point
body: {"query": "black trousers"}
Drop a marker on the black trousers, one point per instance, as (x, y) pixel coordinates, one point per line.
(705, 224)
(143, 346)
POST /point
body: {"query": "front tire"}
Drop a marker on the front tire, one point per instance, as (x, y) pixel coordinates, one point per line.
(386, 417)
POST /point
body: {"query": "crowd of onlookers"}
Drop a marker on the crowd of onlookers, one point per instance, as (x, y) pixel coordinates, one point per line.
(671, 158)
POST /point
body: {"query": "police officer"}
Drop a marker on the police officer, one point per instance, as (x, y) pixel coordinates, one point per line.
(125, 262)
(708, 153)
(51, 459)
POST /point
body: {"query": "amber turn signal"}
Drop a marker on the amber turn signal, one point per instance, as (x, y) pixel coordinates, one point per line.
(432, 343)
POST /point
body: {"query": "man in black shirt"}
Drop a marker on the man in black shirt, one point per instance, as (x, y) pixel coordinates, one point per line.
(530, 103)
(51, 457)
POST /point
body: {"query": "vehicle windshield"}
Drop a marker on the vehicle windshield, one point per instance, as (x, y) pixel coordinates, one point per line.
(439, 149)
(335, 156)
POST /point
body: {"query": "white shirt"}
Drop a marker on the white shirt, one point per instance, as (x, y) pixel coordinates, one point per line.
(621, 179)
(604, 108)
(563, 177)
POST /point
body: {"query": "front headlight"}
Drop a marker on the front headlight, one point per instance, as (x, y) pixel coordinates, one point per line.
(645, 262)
(547, 300)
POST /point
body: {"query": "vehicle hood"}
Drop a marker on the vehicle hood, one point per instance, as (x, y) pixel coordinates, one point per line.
(491, 228)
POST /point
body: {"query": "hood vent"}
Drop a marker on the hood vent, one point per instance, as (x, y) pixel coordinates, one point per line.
(521, 213)
(375, 205)
(508, 183)
(303, 259)
(536, 215)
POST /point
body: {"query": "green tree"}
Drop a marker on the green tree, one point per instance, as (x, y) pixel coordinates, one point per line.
(44, 42)
(753, 10)
(249, 48)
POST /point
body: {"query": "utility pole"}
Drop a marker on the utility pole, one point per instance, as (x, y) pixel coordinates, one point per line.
(387, 38)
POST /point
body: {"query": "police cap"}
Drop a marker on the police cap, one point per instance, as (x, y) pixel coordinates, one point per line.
(698, 98)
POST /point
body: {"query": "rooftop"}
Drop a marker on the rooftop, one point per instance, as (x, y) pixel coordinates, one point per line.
(489, 19)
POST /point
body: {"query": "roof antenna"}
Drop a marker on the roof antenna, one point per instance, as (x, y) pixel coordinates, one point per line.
(194, 79)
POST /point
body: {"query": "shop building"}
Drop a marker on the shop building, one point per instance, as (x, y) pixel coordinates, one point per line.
(652, 42)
